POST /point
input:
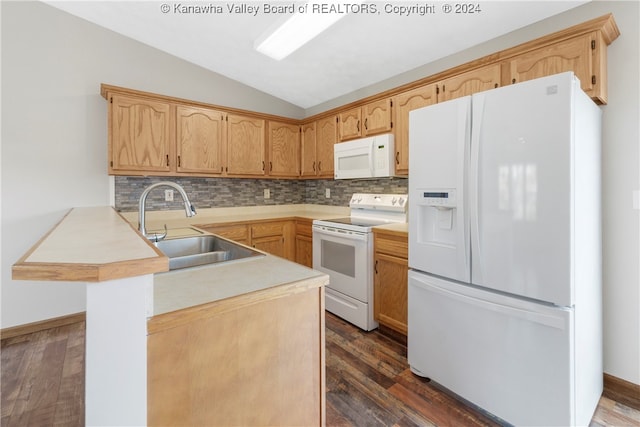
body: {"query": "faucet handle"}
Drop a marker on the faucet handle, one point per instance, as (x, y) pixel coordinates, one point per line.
(157, 237)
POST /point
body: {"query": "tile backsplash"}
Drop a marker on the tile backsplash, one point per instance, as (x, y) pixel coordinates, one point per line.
(230, 192)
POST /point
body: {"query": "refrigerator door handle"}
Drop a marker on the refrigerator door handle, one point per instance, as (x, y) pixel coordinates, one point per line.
(474, 200)
(557, 322)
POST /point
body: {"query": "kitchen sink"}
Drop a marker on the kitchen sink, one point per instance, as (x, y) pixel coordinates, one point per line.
(201, 250)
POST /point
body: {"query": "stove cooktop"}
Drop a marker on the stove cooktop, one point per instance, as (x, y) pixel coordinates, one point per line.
(360, 222)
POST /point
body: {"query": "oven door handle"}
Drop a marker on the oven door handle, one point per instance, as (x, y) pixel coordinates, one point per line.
(336, 232)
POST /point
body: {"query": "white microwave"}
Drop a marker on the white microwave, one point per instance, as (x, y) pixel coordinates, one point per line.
(371, 157)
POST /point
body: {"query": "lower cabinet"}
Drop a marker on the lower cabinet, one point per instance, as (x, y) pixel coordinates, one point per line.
(390, 280)
(304, 242)
(256, 359)
(273, 237)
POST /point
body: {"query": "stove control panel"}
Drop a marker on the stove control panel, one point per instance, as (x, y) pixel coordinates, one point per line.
(379, 202)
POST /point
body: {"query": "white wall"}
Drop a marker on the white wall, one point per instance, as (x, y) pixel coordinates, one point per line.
(54, 143)
(620, 164)
(54, 131)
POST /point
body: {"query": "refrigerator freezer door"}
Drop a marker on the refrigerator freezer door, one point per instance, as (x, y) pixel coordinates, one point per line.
(510, 357)
(521, 189)
(439, 138)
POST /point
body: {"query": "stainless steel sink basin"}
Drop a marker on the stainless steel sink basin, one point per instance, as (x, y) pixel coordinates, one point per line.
(201, 250)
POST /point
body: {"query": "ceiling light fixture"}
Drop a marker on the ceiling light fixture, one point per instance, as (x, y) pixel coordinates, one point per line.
(309, 20)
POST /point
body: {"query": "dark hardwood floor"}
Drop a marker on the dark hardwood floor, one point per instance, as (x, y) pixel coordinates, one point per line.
(368, 383)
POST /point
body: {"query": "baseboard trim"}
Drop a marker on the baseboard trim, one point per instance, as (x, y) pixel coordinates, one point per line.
(42, 325)
(622, 391)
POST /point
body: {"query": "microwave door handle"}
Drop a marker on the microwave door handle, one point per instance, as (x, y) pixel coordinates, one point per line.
(371, 162)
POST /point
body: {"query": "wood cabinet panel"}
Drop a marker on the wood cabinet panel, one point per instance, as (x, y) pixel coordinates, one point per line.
(304, 242)
(377, 117)
(326, 137)
(245, 145)
(405, 103)
(391, 280)
(580, 55)
(200, 138)
(270, 244)
(350, 124)
(470, 82)
(257, 364)
(390, 292)
(141, 137)
(308, 150)
(284, 149)
(237, 233)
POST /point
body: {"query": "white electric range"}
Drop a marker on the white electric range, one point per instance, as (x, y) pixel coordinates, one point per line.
(343, 248)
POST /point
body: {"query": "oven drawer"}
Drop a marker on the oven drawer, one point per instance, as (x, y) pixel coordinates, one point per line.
(350, 309)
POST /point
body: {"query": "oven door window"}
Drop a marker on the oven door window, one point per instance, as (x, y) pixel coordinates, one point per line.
(338, 257)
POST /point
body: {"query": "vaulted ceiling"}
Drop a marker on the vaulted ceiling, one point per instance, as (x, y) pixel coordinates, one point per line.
(378, 40)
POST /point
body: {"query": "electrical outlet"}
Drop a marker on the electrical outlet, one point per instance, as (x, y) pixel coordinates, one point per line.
(327, 193)
(267, 193)
(168, 195)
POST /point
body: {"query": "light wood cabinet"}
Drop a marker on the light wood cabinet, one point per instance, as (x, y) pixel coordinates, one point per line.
(468, 83)
(236, 232)
(274, 237)
(245, 146)
(140, 134)
(390, 280)
(350, 124)
(404, 103)
(308, 161)
(255, 359)
(371, 119)
(318, 139)
(326, 137)
(200, 139)
(284, 149)
(584, 55)
(304, 242)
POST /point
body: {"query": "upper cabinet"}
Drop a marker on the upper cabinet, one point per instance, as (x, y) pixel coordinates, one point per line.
(284, 150)
(158, 135)
(317, 143)
(200, 138)
(308, 162)
(245, 146)
(468, 83)
(141, 135)
(584, 55)
(326, 137)
(370, 119)
(404, 103)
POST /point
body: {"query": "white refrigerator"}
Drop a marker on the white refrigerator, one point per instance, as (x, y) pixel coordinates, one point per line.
(505, 250)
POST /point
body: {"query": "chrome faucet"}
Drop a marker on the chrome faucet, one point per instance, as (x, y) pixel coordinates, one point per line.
(189, 210)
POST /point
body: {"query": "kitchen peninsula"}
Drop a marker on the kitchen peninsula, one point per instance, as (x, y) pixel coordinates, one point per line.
(240, 342)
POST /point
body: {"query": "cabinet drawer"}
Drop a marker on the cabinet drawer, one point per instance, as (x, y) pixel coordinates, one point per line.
(392, 245)
(303, 228)
(267, 229)
(238, 233)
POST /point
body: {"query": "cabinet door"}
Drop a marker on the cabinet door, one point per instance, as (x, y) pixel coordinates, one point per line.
(304, 250)
(140, 135)
(404, 103)
(271, 244)
(575, 55)
(245, 145)
(390, 292)
(284, 149)
(200, 138)
(350, 124)
(308, 164)
(326, 137)
(469, 83)
(377, 117)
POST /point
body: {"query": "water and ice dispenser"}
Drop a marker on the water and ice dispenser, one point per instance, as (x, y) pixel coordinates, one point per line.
(439, 245)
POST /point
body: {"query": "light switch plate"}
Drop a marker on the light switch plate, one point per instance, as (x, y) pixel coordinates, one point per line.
(267, 193)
